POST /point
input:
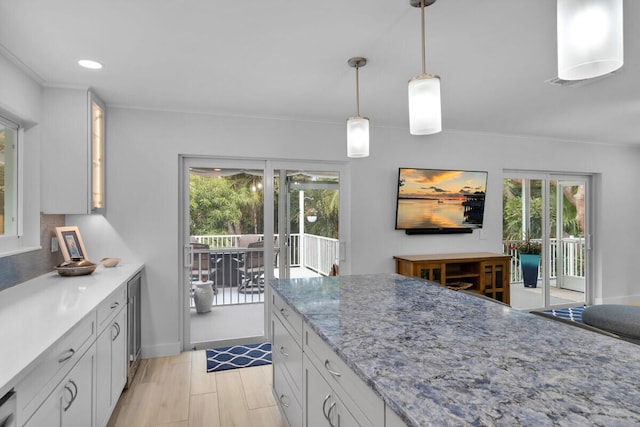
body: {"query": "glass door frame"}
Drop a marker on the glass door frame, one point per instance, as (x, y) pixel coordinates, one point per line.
(185, 163)
(268, 166)
(546, 178)
(344, 231)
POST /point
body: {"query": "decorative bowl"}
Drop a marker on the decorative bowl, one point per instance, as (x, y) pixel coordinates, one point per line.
(76, 267)
(110, 262)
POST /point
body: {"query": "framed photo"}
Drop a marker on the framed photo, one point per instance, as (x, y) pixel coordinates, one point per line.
(71, 243)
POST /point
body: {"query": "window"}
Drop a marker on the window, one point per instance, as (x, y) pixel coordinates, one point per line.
(8, 178)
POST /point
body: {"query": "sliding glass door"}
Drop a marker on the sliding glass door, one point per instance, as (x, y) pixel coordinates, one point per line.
(309, 227)
(244, 222)
(545, 229)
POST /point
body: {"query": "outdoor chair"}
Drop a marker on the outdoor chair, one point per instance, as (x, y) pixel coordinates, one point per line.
(253, 269)
(200, 268)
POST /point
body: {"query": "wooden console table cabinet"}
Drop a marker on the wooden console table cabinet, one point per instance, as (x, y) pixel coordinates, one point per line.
(488, 272)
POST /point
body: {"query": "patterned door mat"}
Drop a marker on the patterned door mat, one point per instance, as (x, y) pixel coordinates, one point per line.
(238, 356)
(571, 313)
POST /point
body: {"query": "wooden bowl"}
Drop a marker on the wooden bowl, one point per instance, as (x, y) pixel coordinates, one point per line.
(76, 268)
(110, 262)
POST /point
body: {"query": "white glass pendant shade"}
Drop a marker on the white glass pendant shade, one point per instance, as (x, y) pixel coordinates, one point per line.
(425, 116)
(590, 40)
(358, 137)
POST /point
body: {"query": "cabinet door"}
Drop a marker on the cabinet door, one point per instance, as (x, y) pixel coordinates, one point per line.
(118, 356)
(111, 372)
(496, 280)
(322, 406)
(97, 202)
(74, 146)
(71, 403)
(103, 377)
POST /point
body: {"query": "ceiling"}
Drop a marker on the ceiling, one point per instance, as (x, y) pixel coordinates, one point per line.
(288, 59)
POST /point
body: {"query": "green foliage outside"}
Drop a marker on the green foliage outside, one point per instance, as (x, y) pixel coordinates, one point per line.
(229, 205)
(225, 205)
(326, 204)
(512, 210)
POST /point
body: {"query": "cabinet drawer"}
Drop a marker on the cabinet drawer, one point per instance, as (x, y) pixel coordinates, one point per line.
(342, 379)
(70, 403)
(111, 306)
(286, 397)
(323, 406)
(287, 352)
(391, 419)
(57, 361)
(291, 320)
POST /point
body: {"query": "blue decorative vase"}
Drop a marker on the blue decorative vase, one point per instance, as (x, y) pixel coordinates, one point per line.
(529, 264)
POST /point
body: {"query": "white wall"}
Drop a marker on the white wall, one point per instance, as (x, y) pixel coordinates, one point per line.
(20, 96)
(142, 192)
(21, 101)
(142, 197)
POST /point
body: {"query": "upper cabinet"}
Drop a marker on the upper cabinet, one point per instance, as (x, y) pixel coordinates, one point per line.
(73, 152)
(97, 142)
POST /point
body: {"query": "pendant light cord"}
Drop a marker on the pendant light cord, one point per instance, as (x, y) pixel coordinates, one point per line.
(357, 92)
(424, 61)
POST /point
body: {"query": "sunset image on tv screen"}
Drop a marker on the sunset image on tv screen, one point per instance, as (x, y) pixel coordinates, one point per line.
(434, 198)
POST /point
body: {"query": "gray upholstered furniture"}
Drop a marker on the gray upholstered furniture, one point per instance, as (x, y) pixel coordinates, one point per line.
(621, 320)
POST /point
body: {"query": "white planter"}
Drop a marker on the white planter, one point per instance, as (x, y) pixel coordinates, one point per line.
(203, 296)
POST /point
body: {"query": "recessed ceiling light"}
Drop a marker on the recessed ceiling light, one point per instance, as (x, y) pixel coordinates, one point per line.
(92, 65)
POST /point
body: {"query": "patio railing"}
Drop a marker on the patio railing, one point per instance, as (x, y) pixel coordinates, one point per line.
(227, 267)
(320, 253)
(573, 250)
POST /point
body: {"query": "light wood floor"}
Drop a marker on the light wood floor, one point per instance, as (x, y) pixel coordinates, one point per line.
(178, 392)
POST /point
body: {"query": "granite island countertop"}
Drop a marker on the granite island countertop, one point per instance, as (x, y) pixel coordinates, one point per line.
(440, 357)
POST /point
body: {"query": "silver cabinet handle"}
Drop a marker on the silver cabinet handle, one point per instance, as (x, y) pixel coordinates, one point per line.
(114, 305)
(281, 398)
(284, 312)
(283, 351)
(324, 409)
(329, 417)
(116, 327)
(74, 393)
(67, 355)
(332, 372)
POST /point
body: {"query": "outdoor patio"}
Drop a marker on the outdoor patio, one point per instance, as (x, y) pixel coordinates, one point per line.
(233, 322)
(234, 267)
(237, 312)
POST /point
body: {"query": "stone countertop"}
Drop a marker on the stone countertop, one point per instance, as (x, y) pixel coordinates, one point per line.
(440, 357)
(36, 313)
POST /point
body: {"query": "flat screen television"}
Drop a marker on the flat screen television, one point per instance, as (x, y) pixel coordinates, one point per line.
(439, 201)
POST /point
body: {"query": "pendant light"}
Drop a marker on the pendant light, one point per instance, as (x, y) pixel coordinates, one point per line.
(590, 41)
(425, 116)
(357, 127)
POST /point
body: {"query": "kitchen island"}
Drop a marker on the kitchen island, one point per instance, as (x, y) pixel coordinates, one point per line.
(440, 357)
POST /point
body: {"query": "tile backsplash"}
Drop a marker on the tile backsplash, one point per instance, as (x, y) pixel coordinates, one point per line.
(19, 268)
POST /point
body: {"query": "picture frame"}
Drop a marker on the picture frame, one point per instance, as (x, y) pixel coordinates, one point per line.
(71, 243)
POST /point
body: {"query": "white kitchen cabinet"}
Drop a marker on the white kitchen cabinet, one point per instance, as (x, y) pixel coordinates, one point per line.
(312, 385)
(111, 372)
(71, 402)
(286, 341)
(54, 366)
(324, 408)
(86, 348)
(73, 152)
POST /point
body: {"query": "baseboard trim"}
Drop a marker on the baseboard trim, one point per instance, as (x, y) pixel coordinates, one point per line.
(161, 350)
(229, 342)
(626, 300)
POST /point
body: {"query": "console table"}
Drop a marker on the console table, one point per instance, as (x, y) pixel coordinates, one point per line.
(488, 273)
